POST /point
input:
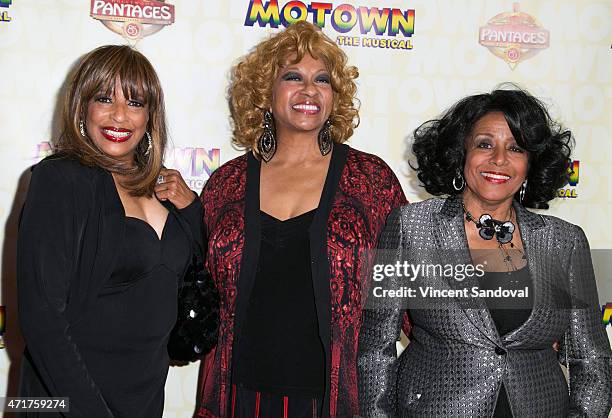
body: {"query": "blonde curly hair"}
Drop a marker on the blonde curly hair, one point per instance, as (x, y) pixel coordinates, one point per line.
(250, 90)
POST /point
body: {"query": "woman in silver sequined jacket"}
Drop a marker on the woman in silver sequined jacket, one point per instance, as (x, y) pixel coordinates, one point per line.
(493, 155)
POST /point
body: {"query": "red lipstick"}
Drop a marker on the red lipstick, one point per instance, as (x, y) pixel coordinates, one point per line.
(116, 134)
(495, 177)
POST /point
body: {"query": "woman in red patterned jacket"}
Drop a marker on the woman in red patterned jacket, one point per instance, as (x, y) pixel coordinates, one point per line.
(288, 226)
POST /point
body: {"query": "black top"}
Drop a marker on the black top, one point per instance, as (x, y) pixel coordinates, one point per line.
(124, 339)
(318, 254)
(280, 350)
(508, 314)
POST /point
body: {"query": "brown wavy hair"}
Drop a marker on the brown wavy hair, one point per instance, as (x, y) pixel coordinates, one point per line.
(250, 90)
(96, 73)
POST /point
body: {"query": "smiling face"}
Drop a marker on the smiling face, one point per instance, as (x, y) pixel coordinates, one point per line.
(302, 97)
(495, 165)
(117, 124)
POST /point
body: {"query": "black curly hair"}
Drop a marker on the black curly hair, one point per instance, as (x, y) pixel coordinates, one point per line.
(439, 144)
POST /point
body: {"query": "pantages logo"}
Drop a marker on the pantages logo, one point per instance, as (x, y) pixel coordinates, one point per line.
(343, 18)
(4, 16)
(133, 19)
(513, 36)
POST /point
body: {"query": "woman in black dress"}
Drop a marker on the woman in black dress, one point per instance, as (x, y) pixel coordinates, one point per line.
(105, 238)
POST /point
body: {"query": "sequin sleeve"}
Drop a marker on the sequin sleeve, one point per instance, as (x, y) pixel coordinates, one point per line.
(377, 360)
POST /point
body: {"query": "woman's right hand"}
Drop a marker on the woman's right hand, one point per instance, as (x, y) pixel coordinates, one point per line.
(173, 188)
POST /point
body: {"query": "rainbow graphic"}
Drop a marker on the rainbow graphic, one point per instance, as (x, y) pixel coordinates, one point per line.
(4, 16)
(43, 149)
(343, 18)
(194, 162)
(291, 9)
(373, 17)
(574, 177)
(606, 312)
(402, 22)
(263, 15)
(574, 170)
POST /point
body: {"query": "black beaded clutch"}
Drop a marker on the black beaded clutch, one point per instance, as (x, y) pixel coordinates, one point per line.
(197, 324)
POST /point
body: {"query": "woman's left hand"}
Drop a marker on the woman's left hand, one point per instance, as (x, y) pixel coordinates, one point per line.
(173, 188)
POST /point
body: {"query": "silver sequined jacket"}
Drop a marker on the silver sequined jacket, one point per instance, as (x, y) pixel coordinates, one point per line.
(456, 360)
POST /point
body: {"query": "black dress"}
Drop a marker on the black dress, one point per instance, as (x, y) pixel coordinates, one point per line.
(97, 292)
(124, 339)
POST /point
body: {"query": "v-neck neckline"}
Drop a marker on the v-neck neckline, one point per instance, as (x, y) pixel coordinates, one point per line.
(452, 213)
(288, 220)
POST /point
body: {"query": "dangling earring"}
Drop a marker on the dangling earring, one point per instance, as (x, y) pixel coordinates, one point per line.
(82, 128)
(266, 146)
(150, 140)
(458, 177)
(522, 192)
(325, 140)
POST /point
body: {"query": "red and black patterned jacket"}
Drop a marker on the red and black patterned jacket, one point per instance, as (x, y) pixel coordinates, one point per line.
(359, 192)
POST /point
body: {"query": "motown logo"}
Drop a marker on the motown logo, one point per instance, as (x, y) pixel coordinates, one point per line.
(133, 19)
(606, 312)
(4, 16)
(574, 178)
(343, 19)
(195, 164)
(513, 36)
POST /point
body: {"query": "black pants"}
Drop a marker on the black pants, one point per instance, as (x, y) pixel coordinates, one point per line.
(247, 403)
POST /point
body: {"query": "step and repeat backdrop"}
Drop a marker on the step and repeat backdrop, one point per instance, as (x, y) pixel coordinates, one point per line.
(415, 58)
